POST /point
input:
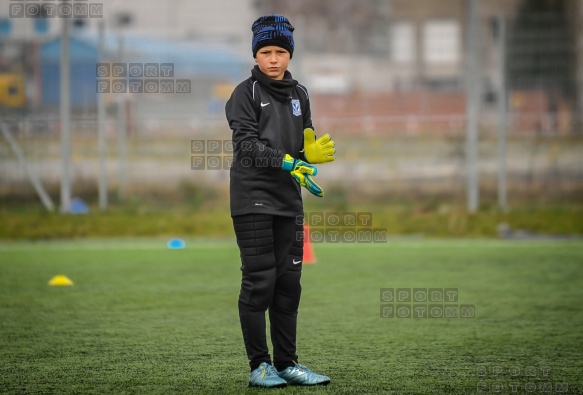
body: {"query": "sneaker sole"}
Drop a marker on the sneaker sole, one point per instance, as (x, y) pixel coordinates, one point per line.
(323, 383)
(268, 386)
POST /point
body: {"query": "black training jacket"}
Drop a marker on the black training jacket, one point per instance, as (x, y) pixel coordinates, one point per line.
(264, 130)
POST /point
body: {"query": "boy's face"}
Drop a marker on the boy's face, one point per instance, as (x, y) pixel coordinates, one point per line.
(273, 61)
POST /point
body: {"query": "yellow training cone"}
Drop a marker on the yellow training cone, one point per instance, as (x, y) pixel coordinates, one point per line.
(60, 280)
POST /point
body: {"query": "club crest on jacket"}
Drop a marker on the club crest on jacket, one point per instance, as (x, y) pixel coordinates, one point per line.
(297, 110)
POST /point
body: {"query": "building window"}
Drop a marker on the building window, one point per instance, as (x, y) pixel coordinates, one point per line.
(403, 42)
(441, 42)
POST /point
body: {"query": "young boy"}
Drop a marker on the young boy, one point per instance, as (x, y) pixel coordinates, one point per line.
(274, 149)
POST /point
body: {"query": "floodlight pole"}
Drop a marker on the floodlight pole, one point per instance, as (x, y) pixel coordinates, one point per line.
(65, 103)
(122, 133)
(101, 147)
(502, 114)
(473, 76)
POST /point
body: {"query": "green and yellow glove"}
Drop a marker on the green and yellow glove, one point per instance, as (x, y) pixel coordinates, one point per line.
(318, 151)
(307, 182)
(302, 172)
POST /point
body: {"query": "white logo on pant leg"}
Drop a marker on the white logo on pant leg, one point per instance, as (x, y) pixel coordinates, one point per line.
(296, 262)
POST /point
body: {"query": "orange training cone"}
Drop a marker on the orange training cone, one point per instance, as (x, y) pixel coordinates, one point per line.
(309, 256)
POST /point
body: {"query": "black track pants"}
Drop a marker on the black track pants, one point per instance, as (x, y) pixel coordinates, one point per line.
(271, 253)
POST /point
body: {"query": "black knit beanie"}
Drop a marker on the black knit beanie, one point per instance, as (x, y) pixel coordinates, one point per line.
(273, 30)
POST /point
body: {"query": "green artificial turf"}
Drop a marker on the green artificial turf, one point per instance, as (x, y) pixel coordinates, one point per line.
(432, 221)
(141, 319)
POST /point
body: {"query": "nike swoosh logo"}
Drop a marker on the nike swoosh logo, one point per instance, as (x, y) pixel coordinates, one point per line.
(264, 104)
(296, 262)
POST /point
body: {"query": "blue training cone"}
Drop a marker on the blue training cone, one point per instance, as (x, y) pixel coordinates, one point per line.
(175, 244)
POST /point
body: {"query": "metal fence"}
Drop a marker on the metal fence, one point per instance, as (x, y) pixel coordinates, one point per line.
(398, 112)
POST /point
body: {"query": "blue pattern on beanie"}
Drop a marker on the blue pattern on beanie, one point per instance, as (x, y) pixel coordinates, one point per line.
(272, 30)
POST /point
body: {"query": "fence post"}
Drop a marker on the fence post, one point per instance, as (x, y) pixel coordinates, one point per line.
(473, 77)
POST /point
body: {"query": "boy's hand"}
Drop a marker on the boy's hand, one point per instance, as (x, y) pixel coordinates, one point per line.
(302, 172)
(318, 151)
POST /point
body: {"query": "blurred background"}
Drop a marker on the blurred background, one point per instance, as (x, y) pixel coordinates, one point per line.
(441, 110)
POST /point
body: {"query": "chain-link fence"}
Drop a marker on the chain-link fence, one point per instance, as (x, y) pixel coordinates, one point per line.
(387, 79)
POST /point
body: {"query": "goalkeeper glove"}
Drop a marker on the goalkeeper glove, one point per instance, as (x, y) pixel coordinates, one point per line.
(307, 182)
(302, 172)
(318, 151)
(290, 164)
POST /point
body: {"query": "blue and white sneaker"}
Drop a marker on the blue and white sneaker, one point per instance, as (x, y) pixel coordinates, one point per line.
(266, 376)
(301, 375)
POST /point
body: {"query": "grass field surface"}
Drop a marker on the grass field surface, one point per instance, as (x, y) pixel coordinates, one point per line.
(141, 319)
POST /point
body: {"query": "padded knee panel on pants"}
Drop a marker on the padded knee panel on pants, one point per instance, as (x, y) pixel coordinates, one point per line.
(257, 288)
(288, 292)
